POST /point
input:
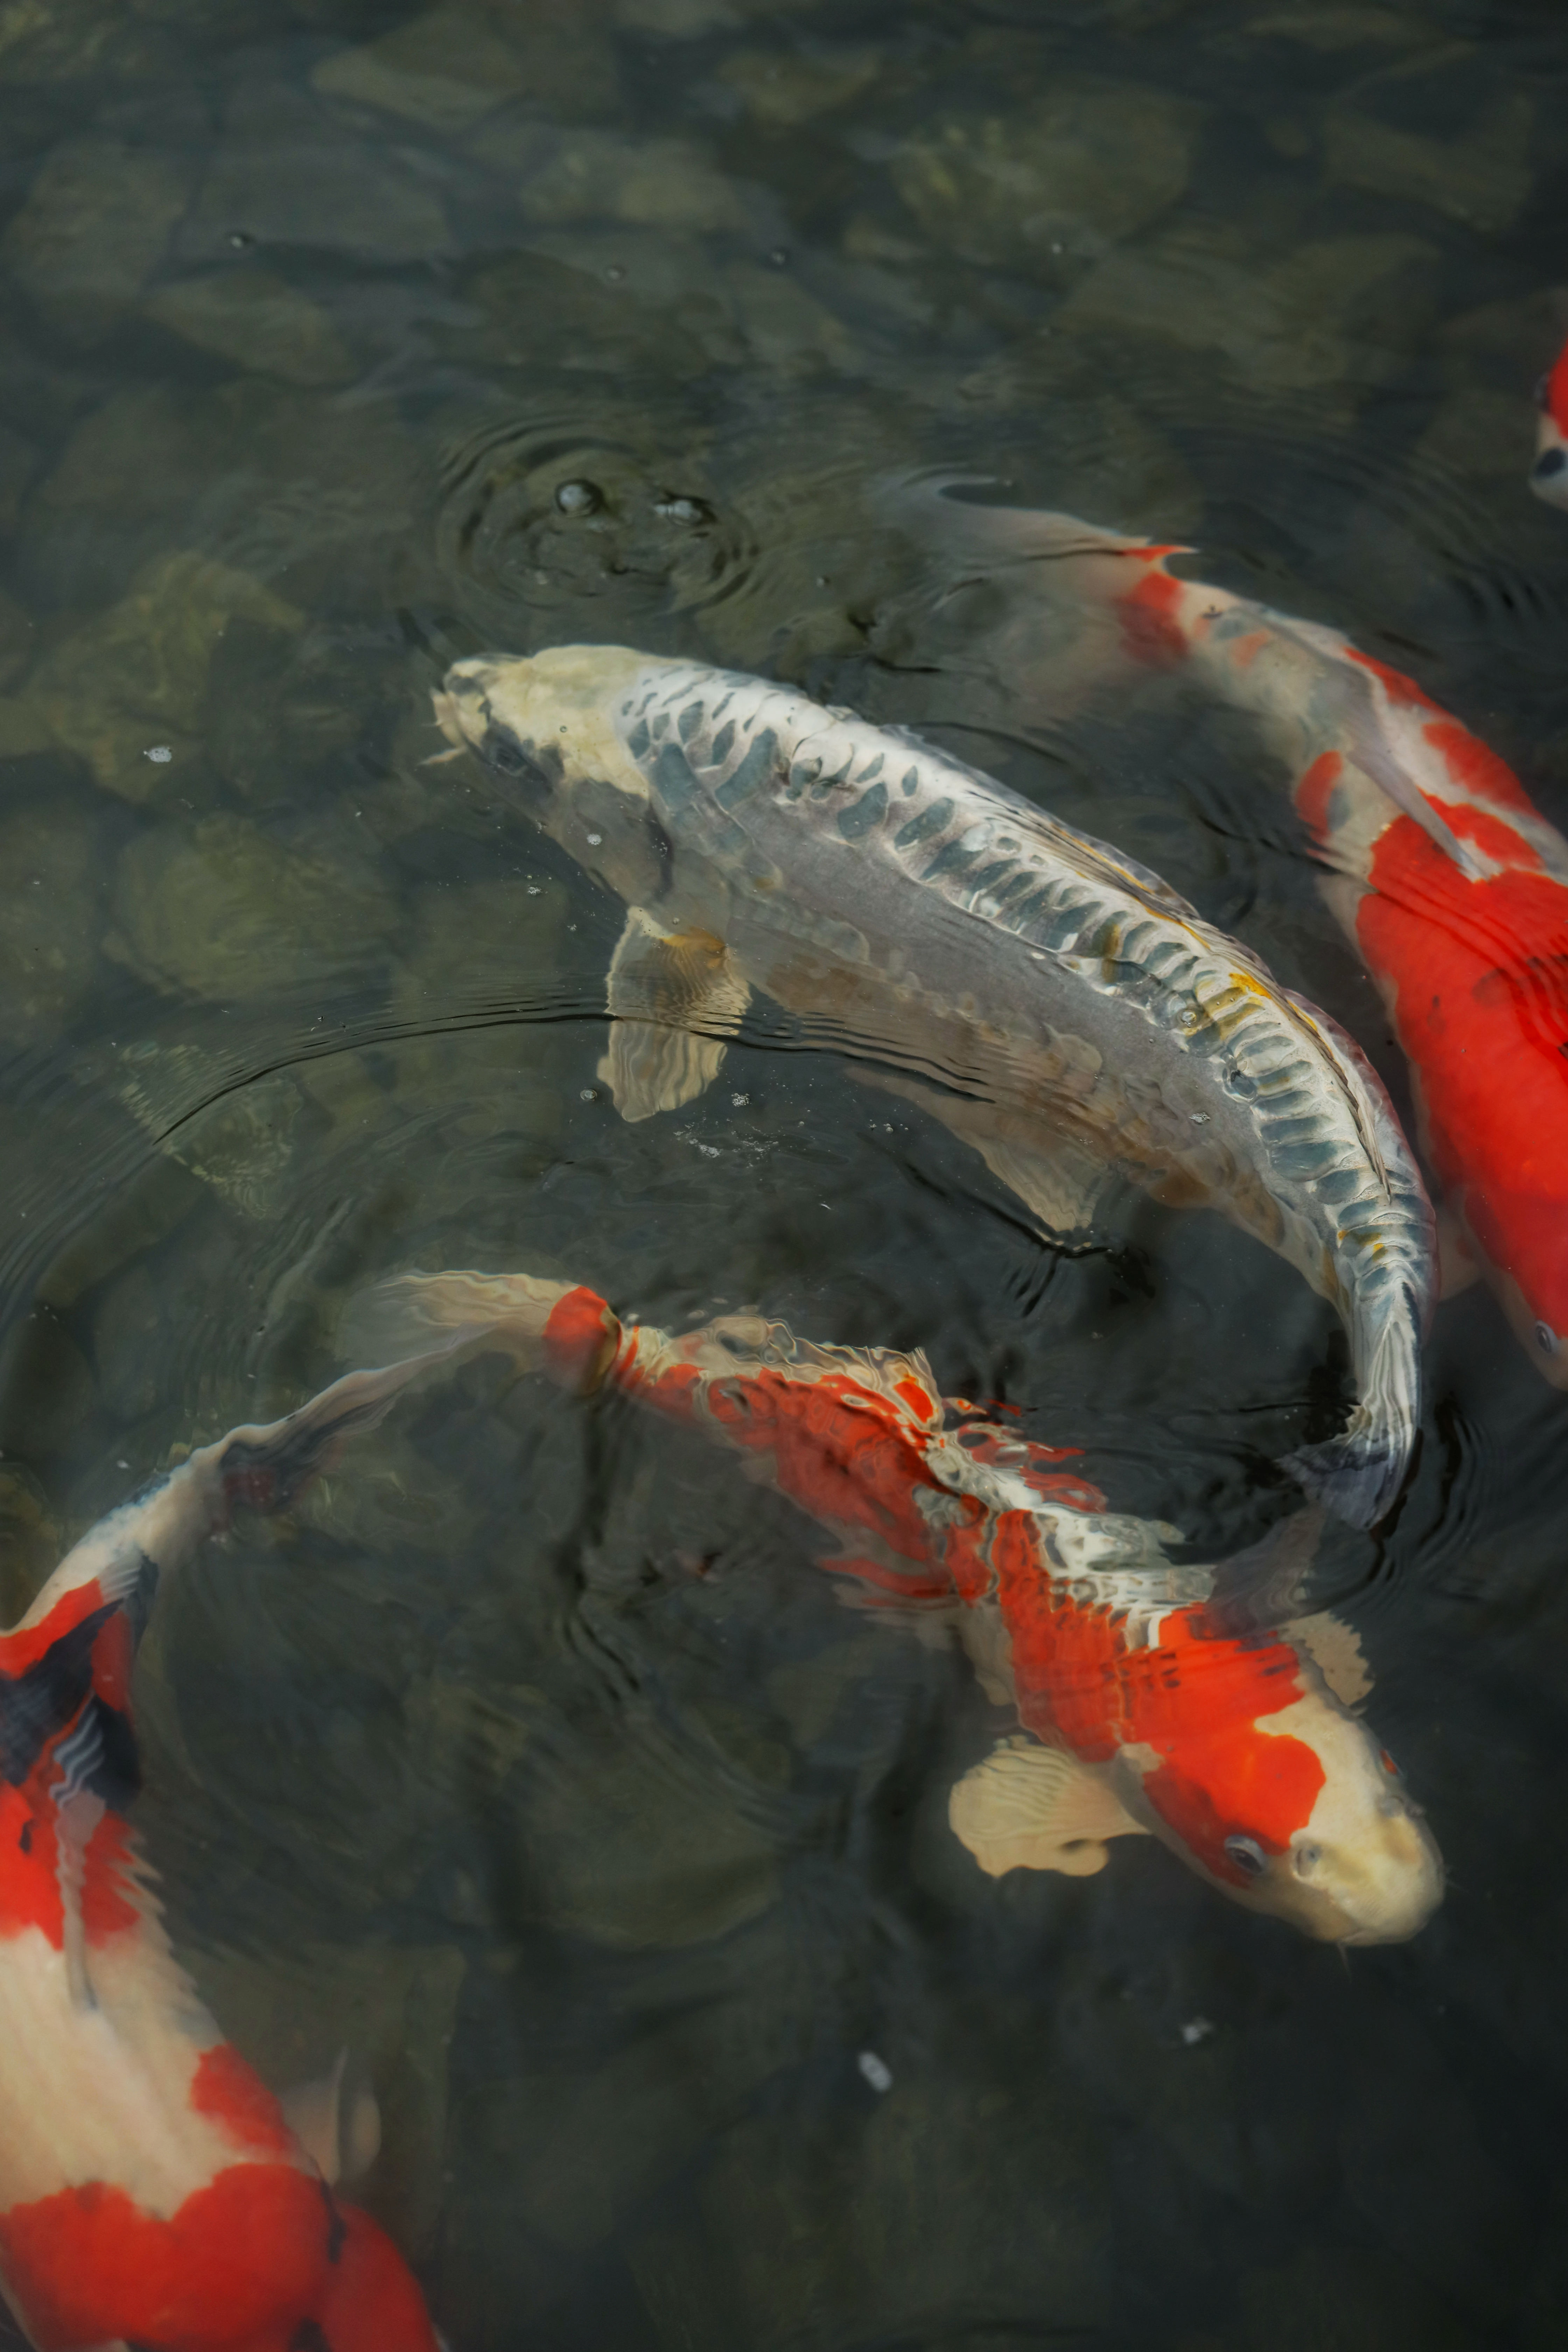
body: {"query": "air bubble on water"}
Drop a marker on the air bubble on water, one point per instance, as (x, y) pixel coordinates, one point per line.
(589, 1094)
(579, 497)
(595, 839)
(1196, 2029)
(688, 512)
(159, 754)
(877, 2070)
(740, 1101)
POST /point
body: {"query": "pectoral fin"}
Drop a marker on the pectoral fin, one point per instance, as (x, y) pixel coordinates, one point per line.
(1064, 1186)
(664, 988)
(341, 2134)
(1030, 1807)
(1335, 1650)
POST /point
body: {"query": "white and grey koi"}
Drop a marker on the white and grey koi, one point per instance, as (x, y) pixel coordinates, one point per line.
(1054, 1004)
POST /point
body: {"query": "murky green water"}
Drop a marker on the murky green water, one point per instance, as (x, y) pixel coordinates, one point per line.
(609, 1871)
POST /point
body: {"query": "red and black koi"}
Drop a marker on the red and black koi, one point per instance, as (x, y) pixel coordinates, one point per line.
(1138, 1710)
(151, 2193)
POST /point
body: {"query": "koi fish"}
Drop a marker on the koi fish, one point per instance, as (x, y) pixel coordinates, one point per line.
(1446, 881)
(1052, 1003)
(1549, 475)
(1137, 1712)
(153, 2195)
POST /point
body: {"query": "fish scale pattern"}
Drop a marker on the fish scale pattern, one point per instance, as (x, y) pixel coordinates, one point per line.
(1344, 1201)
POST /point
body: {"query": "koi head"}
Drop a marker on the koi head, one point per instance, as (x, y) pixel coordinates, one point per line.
(1293, 1810)
(1549, 475)
(543, 721)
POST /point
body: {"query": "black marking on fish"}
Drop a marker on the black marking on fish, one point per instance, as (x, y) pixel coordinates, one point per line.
(868, 812)
(761, 758)
(926, 826)
(37, 1704)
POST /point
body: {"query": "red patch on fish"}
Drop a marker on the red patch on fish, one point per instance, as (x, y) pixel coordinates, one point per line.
(1557, 392)
(1261, 1784)
(1315, 796)
(225, 2088)
(579, 1330)
(1151, 630)
(841, 1450)
(239, 2264)
(1477, 971)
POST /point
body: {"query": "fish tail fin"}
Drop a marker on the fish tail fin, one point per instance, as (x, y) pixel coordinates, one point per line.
(456, 1312)
(264, 1466)
(1358, 1474)
(935, 507)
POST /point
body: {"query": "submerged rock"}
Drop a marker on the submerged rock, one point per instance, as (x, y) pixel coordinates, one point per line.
(445, 69)
(1093, 162)
(638, 1846)
(285, 174)
(1333, 316)
(132, 682)
(667, 184)
(270, 481)
(785, 88)
(51, 887)
(259, 320)
(1483, 176)
(93, 228)
(940, 2211)
(219, 908)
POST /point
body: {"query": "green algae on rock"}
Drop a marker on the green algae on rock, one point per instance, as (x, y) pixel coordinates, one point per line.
(50, 865)
(220, 909)
(92, 230)
(133, 680)
(259, 320)
(1091, 163)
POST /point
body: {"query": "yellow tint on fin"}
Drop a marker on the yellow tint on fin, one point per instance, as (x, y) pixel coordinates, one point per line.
(1025, 1807)
(341, 2134)
(1335, 1650)
(658, 982)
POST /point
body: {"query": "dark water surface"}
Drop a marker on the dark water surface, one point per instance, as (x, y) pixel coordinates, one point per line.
(607, 1870)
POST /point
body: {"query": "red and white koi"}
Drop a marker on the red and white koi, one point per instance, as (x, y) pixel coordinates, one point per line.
(1138, 1710)
(1549, 475)
(153, 2194)
(1448, 883)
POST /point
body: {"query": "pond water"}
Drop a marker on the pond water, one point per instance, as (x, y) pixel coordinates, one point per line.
(530, 1756)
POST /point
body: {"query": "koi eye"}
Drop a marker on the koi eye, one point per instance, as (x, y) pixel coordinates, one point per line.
(1307, 1858)
(1546, 1339)
(1247, 1855)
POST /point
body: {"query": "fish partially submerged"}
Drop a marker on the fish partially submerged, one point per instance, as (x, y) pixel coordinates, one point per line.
(153, 2193)
(1549, 475)
(1052, 1002)
(1138, 1710)
(1449, 884)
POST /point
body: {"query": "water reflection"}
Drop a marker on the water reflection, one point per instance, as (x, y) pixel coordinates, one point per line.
(528, 1760)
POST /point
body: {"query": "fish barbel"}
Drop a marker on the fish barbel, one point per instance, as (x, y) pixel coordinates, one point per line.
(1447, 881)
(1054, 1003)
(1138, 1710)
(152, 2191)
